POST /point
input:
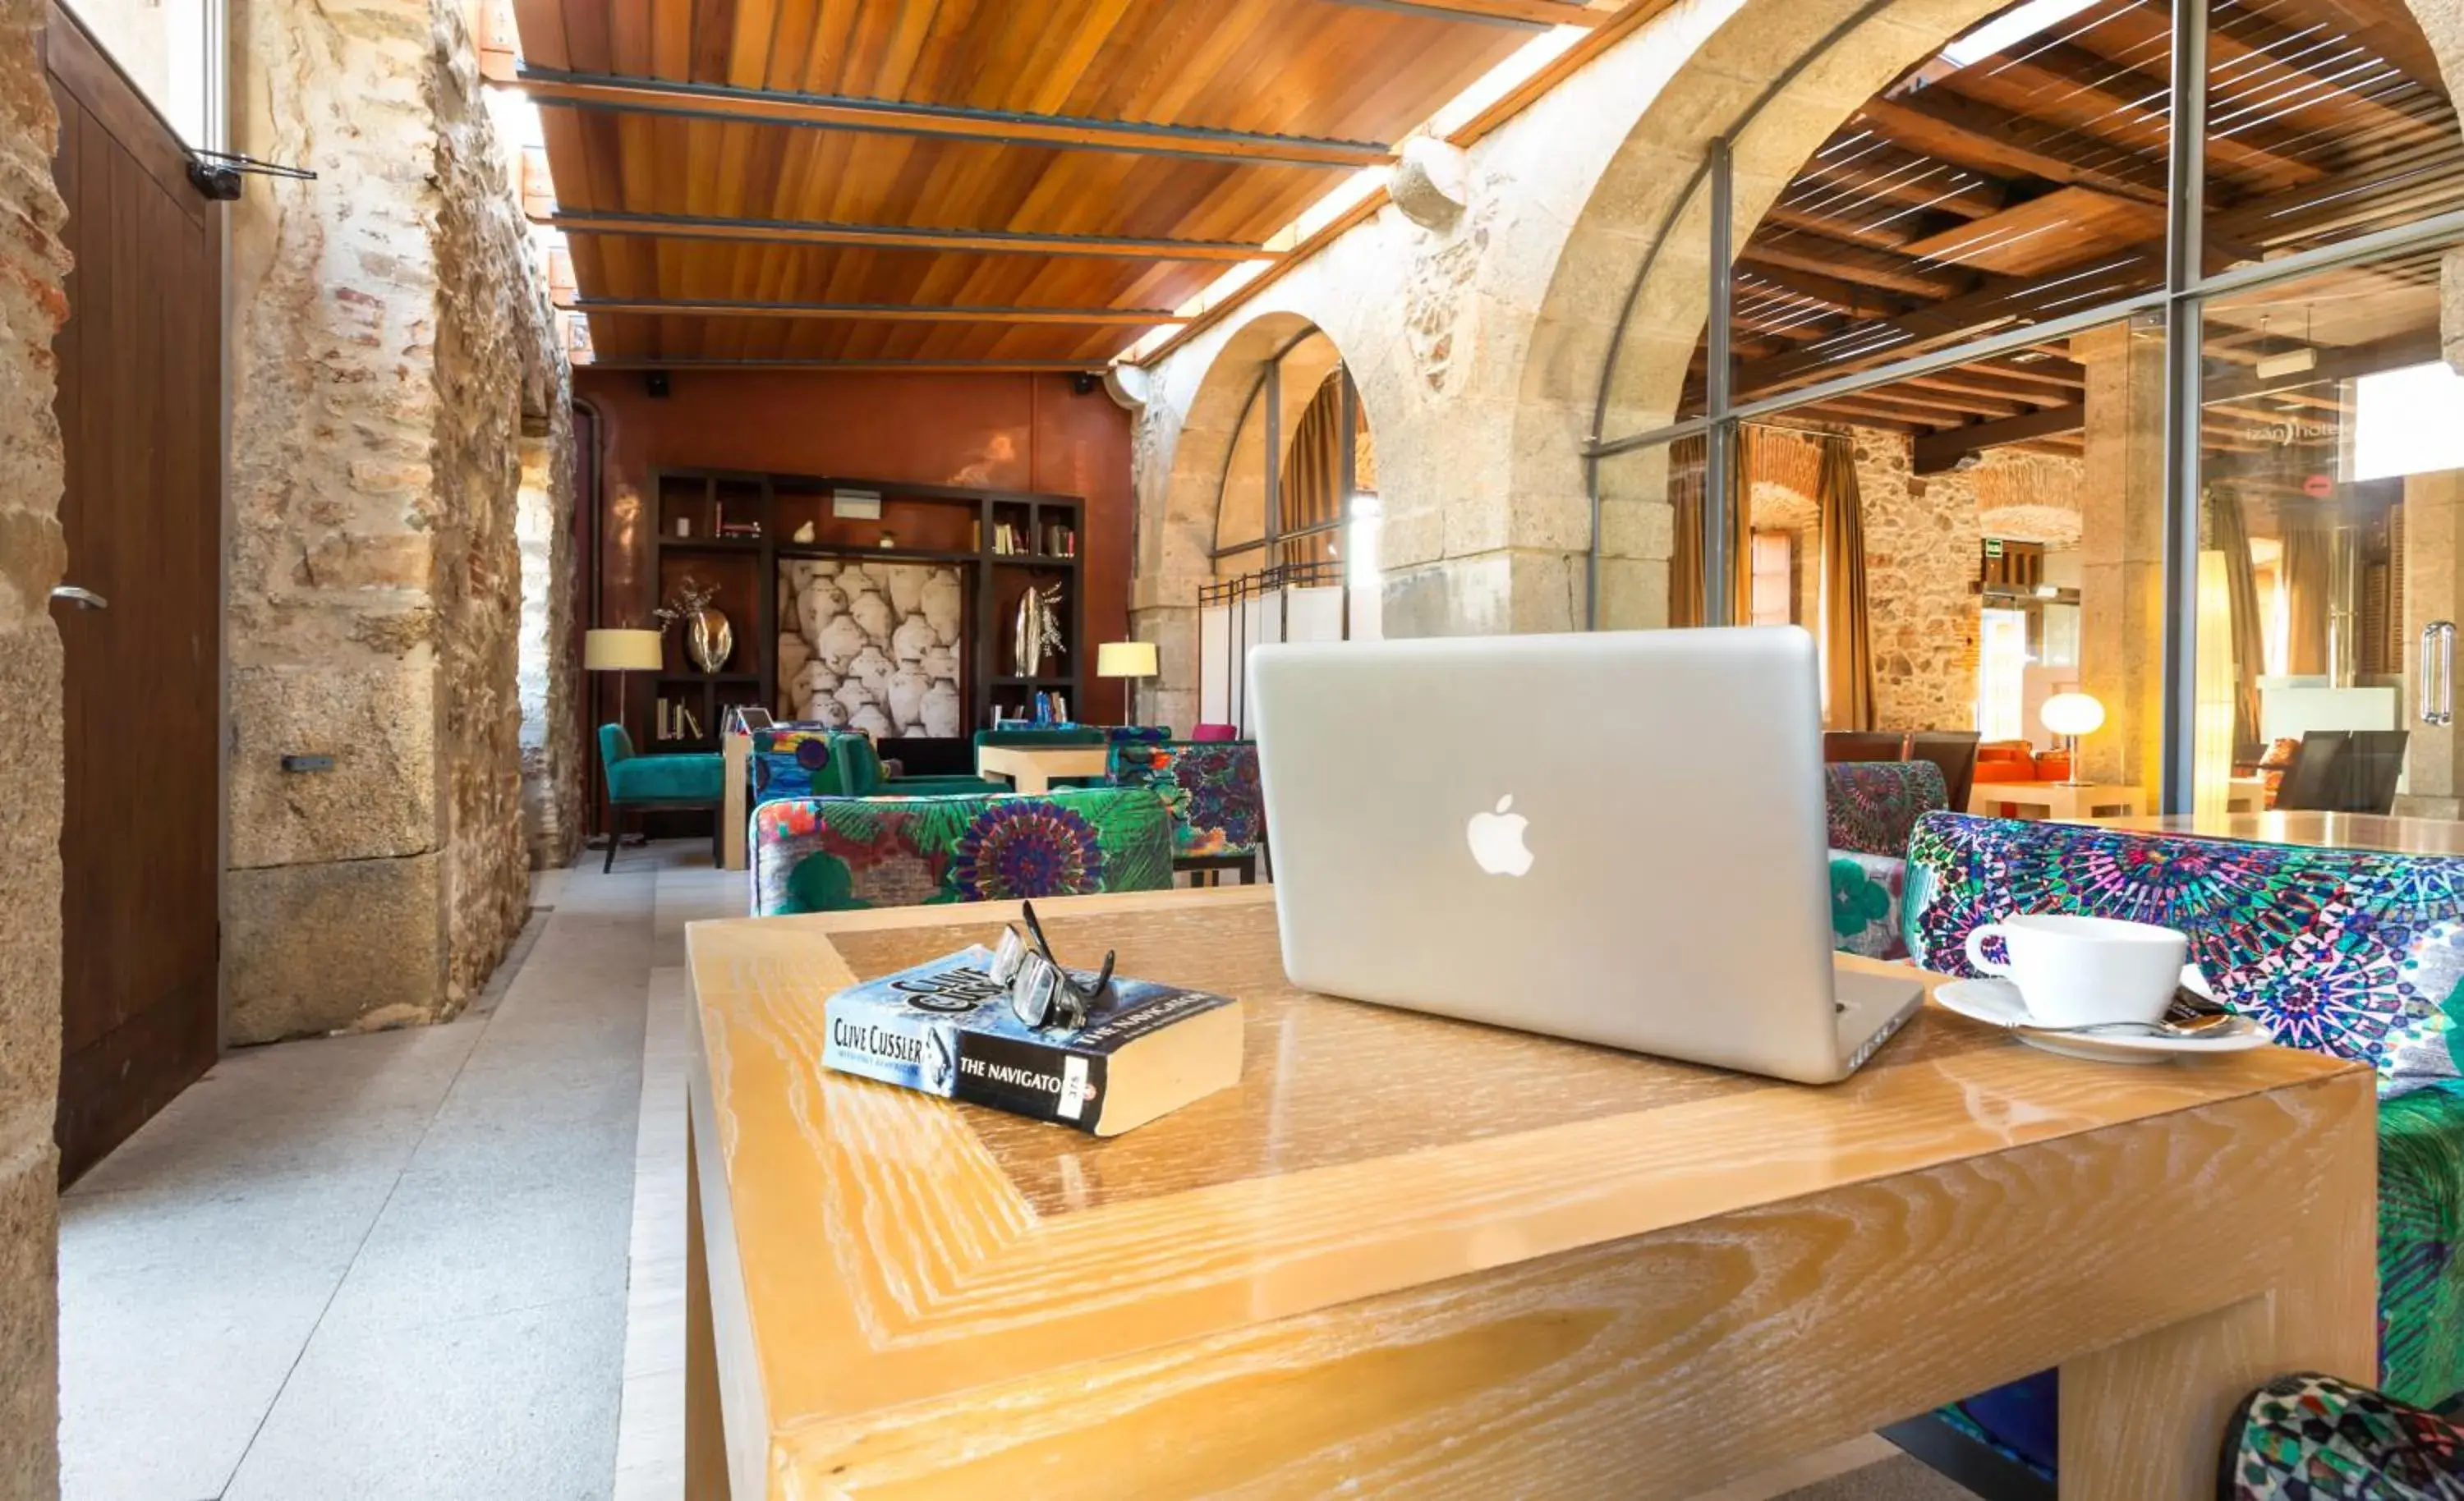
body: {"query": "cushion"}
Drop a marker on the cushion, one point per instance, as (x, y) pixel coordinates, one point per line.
(1218, 811)
(1866, 892)
(2352, 952)
(2304, 1437)
(667, 778)
(794, 763)
(830, 854)
(1870, 806)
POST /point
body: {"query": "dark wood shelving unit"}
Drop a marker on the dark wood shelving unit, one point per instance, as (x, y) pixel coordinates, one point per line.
(941, 524)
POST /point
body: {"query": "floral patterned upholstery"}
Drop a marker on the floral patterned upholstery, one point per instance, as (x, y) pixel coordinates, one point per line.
(1870, 807)
(2314, 1438)
(2351, 952)
(828, 854)
(1212, 788)
(794, 763)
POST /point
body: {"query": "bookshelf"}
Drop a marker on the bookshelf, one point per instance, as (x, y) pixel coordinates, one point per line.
(734, 528)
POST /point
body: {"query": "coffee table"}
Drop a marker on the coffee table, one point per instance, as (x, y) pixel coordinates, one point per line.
(1409, 1255)
(2058, 799)
(1031, 768)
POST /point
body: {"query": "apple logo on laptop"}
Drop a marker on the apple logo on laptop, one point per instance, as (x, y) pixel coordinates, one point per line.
(1497, 839)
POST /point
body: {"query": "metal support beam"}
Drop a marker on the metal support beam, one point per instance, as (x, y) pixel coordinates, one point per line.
(2185, 313)
(1720, 487)
(875, 312)
(837, 112)
(896, 237)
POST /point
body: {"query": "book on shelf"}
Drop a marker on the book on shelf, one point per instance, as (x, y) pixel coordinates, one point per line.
(945, 1028)
(1060, 541)
(688, 728)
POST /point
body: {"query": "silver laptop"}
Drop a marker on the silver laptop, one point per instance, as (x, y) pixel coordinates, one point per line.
(1616, 837)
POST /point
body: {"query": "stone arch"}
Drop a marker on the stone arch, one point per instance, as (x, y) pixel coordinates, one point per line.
(1846, 51)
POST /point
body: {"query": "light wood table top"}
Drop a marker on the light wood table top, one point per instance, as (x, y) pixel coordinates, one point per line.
(2056, 799)
(2334, 831)
(1409, 1255)
(1031, 768)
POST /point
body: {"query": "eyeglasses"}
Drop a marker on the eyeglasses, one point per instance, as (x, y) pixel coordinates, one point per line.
(1041, 991)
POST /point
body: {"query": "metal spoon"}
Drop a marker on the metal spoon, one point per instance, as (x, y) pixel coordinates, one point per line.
(2207, 1024)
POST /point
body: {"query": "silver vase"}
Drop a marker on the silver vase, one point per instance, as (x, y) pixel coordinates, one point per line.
(709, 639)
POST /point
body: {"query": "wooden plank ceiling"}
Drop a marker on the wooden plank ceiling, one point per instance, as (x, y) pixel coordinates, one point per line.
(1979, 194)
(980, 182)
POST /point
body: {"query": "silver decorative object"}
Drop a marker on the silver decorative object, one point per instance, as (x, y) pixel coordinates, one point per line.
(710, 640)
(1039, 628)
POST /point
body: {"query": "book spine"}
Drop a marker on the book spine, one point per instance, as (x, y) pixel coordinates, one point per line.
(891, 1045)
(1035, 1080)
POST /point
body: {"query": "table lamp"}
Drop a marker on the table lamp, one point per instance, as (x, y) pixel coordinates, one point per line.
(622, 652)
(2071, 715)
(1132, 659)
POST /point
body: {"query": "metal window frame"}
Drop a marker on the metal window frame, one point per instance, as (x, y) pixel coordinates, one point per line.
(2181, 303)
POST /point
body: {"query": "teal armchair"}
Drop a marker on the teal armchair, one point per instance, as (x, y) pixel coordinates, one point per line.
(639, 784)
(861, 774)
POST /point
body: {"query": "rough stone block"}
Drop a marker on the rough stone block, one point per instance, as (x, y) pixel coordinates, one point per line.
(377, 720)
(341, 946)
(30, 867)
(30, 1412)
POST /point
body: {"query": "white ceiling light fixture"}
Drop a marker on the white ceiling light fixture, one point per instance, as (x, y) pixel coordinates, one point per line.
(2292, 363)
(2406, 422)
(2016, 26)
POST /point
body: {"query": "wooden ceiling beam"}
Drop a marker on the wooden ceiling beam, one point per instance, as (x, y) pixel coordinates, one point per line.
(1809, 251)
(835, 112)
(1879, 170)
(873, 236)
(1841, 295)
(874, 312)
(690, 362)
(1989, 138)
(1939, 451)
(1531, 14)
(2116, 92)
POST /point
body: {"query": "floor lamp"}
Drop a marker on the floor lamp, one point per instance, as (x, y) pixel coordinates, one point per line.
(622, 652)
(1131, 660)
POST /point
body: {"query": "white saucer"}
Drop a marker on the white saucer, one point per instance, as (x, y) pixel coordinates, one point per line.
(1997, 1002)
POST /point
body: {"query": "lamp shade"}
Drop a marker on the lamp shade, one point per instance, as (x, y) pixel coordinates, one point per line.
(2072, 714)
(622, 651)
(1125, 660)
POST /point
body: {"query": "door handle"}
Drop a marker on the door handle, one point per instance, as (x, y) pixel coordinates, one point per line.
(2438, 673)
(83, 598)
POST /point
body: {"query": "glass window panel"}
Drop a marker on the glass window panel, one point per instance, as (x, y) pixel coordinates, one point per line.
(2331, 478)
(171, 50)
(2015, 175)
(2327, 120)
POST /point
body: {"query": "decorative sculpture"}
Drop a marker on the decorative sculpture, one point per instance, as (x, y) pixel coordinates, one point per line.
(709, 639)
(1039, 627)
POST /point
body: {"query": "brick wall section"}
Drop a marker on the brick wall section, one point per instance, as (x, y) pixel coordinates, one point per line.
(33, 554)
(386, 340)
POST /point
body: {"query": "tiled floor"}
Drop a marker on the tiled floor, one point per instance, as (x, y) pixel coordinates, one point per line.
(449, 1262)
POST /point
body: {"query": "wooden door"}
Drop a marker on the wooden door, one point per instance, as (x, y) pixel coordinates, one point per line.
(140, 411)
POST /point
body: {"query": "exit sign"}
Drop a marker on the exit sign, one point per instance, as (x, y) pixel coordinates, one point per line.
(1994, 546)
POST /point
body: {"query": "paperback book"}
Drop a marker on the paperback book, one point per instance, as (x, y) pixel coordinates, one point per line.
(946, 1028)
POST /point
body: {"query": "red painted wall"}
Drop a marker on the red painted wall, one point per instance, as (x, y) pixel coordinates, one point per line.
(1018, 432)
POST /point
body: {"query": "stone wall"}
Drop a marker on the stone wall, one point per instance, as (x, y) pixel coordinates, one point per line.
(33, 264)
(1920, 561)
(388, 338)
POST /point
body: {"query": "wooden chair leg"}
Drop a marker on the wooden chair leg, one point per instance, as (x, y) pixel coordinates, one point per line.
(615, 835)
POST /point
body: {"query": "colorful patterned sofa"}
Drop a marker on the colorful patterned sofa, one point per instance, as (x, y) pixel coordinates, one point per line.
(1218, 815)
(828, 854)
(838, 763)
(1870, 808)
(2352, 952)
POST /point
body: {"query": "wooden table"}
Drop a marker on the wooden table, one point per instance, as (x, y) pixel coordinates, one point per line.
(1415, 1256)
(737, 763)
(1031, 768)
(2055, 799)
(2334, 831)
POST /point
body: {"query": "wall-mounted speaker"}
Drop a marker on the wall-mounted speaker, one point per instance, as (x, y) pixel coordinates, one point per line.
(655, 385)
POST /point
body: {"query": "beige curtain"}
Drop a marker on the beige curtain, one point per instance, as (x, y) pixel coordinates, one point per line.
(2307, 596)
(1847, 651)
(1312, 480)
(2229, 532)
(1688, 497)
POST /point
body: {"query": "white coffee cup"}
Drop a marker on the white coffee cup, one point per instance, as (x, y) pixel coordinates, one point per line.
(2077, 972)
